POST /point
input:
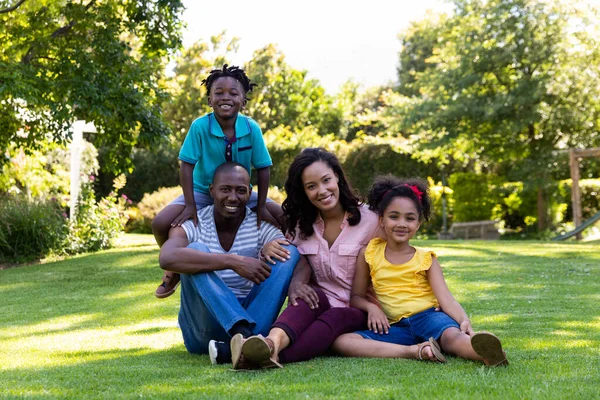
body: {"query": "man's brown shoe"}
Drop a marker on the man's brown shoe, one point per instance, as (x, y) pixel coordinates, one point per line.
(170, 281)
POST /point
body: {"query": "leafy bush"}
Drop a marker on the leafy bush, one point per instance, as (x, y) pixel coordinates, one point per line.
(590, 197)
(276, 194)
(33, 227)
(516, 206)
(152, 169)
(30, 229)
(141, 220)
(97, 224)
(285, 144)
(474, 198)
(44, 173)
(436, 220)
(368, 158)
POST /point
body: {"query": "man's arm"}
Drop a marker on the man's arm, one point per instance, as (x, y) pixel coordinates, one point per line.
(177, 257)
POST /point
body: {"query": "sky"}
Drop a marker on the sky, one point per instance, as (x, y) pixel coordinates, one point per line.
(334, 40)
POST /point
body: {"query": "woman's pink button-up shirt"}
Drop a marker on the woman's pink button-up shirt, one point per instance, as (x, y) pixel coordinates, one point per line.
(333, 268)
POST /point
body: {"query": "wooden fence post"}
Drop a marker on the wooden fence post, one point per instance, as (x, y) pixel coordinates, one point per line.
(575, 192)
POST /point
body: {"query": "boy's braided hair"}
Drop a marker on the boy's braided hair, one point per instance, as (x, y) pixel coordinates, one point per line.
(235, 72)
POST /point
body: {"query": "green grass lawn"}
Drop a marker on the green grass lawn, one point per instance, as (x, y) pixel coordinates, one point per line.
(90, 327)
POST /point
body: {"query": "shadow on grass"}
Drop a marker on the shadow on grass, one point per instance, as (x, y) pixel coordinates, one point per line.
(175, 374)
(544, 306)
(103, 289)
(550, 291)
(107, 285)
(550, 297)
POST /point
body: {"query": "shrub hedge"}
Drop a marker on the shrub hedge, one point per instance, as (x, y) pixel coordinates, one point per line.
(140, 217)
(30, 229)
(470, 196)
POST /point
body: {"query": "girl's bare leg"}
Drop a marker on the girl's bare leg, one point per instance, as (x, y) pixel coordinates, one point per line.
(354, 345)
(458, 343)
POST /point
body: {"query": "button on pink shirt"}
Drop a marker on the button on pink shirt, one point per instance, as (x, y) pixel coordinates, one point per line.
(333, 268)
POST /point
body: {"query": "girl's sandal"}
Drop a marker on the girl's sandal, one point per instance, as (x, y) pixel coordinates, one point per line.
(488, 346)
(259, 350)
(435, 350)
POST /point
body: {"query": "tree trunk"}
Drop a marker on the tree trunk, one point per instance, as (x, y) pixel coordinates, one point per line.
(542, 209)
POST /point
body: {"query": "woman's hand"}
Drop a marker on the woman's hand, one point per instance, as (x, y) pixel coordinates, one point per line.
(275, 250)
(304, 292)
(189, 212)
(377, 321)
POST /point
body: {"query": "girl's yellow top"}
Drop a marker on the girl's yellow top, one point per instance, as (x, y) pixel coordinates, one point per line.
(402, 289)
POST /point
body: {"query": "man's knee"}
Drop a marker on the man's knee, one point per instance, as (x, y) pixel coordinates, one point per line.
(294, 257)
(286, 268)
(199, 246)
(294, 253)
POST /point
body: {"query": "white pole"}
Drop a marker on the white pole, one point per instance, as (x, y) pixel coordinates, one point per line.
(76, 147)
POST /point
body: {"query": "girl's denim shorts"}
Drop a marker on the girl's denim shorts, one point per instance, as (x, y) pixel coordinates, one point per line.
(415, 329)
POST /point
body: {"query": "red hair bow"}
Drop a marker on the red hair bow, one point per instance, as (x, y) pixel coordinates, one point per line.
(416, 190)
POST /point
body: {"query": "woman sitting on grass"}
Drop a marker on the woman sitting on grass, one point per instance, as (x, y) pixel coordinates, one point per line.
(409, 285)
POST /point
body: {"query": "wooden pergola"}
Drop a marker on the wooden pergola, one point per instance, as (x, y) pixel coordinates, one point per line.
(574, 156)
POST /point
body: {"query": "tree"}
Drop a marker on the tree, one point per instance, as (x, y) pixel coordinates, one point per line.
(418, 44)
(285, 96)
(509, 82)
(96, 60)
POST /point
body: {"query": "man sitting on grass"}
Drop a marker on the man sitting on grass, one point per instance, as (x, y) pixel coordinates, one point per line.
(225, 288)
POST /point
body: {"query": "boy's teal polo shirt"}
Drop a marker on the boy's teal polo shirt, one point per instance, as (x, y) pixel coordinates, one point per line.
(204, 147)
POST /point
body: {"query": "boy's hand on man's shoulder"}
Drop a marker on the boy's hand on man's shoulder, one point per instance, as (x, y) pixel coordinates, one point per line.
(262, 214)
(189, 212)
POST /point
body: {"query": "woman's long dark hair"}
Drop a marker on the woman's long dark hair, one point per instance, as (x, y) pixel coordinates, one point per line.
(297, 209)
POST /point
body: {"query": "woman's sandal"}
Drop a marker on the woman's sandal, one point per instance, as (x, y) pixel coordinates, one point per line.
(488, 346)
(436, 350)
(259, 350)
(238, 361)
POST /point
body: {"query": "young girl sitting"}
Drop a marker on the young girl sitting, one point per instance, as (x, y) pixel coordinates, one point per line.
(409, 285)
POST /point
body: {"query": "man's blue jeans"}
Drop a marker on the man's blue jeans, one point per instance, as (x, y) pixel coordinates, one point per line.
(209, 308)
